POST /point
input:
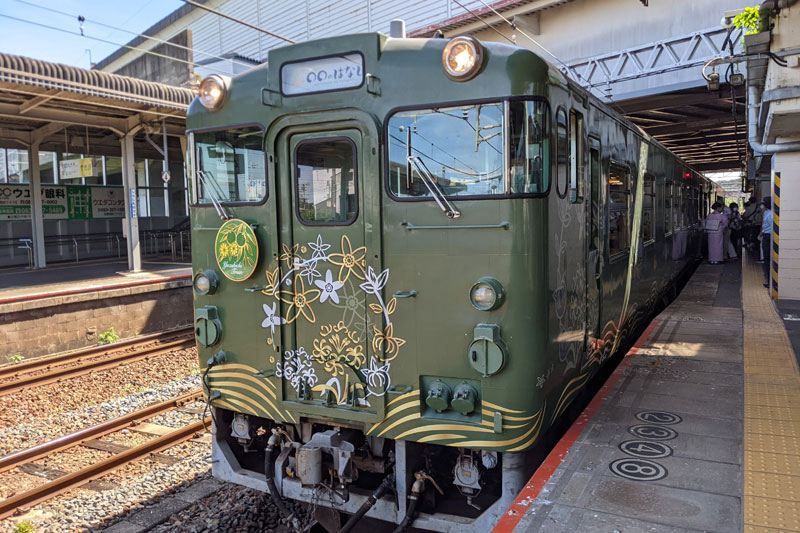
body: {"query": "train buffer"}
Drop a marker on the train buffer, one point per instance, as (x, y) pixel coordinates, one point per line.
(697, 429)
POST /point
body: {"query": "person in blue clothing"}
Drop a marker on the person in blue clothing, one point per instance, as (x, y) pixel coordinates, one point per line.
(766, 237)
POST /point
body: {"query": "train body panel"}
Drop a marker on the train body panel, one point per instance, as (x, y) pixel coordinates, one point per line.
(418, 274)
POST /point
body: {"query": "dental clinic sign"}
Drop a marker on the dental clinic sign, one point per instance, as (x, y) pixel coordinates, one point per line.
(63, 202)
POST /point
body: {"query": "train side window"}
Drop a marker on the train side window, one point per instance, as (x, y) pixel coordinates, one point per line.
(325, 181)
(529, 146)
(576, 155)
(594, 176)
(668, 226)
(648, 205)
(562, 152)
(619, 197)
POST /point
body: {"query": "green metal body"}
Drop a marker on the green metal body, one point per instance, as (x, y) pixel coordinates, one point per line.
(568, 303)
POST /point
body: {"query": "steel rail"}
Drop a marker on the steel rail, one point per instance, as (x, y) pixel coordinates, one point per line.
(12, 370)
(13, 460)
(92, 366)
(75, 479)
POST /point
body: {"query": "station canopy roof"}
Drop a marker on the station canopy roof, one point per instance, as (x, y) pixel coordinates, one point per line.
(75, 110)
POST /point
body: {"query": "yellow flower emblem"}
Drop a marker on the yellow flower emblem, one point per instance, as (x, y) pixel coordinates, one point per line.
(289, 255)
(299, 300)
(350, 261)
(386, 338)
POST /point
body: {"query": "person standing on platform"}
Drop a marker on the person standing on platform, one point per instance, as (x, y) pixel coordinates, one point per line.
(715, 225)
(751, 227)
(735, 225)
(728, 251)
(766, 237)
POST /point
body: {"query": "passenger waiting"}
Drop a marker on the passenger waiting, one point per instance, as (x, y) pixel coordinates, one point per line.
(766, 237)
(736, 226)
(715, 225)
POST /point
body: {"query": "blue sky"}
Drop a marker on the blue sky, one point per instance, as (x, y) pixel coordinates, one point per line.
(25, 39)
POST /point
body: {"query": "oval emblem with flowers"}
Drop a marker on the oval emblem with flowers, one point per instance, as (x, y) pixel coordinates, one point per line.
(236, 249)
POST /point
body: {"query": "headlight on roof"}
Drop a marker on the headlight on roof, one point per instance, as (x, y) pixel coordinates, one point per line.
(463, 58)
(213, 90)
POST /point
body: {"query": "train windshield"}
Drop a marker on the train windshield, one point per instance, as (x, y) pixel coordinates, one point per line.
(479, 150)
(230, 165)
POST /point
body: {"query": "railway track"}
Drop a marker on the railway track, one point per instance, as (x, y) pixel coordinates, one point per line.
(72, 480)
(46, 370)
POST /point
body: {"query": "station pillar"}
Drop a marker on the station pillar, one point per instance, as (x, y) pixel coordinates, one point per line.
(785, 266)
(37, 217)
(131, 222)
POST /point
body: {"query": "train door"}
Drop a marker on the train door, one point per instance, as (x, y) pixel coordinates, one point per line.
(328, 265)
(594, 242)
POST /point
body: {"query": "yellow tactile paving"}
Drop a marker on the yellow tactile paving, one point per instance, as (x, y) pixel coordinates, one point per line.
(772, 414)
(785, 428)
(772, 513)
(754, 529)
(768, 485)
(775, 463)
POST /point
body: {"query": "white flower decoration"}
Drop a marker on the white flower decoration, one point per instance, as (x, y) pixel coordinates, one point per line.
(329, 288)
(272, 319)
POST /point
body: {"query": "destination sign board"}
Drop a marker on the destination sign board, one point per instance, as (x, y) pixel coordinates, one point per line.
(321, 75)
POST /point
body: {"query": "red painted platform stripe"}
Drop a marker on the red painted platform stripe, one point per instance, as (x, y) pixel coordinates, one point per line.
(92, 288)
(536, 483)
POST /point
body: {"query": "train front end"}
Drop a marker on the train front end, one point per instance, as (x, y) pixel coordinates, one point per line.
(369, 227)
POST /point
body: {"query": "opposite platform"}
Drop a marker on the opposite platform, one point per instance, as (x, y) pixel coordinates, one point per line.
(696, 430)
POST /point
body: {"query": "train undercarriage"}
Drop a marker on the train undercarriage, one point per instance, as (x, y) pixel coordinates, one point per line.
(436, 487)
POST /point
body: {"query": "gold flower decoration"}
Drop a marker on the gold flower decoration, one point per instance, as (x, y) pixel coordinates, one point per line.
(386, 338)
(299, 300)
(350, 261)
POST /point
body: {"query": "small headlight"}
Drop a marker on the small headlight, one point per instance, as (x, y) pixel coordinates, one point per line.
(205, 282)
(212, 91)
(462, 58)
(486, 294)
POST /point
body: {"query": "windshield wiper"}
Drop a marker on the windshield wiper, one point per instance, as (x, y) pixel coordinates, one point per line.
(211, 195)
(448, 208)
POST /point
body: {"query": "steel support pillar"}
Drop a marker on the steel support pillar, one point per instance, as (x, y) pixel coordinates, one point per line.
(37, 218)
(131, 223)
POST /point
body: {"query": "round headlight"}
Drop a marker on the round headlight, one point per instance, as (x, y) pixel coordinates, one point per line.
(462, 58)
(212, 91)
(205, 282)
(486, 294)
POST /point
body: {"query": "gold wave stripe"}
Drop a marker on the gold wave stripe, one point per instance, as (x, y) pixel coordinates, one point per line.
(397, 423)
(235, 405)
(501, 409)
(254, 408)
(444, 427)
(226, 387)
(567, 393)
(441, 436)
(502, 444)
(250, 379)
(237, 366)
(403, 397)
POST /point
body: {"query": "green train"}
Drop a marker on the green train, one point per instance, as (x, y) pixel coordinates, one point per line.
(410, 256)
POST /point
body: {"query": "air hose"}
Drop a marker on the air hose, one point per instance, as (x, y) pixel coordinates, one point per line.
(416, 490)
(386, 485)
(269, 473)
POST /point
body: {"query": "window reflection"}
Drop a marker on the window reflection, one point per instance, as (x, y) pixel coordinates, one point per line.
(232, 165)
(325, 181)
(463, 147)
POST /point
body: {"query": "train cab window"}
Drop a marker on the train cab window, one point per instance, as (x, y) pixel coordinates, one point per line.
(472, 150)
(325, 181)
(619, 196)
(230, 166)
(668, 224)
(648, 205)
(529, 140)
(454, 151)
(576, 155)
(562, 153)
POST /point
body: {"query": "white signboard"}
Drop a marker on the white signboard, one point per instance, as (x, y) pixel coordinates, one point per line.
(319, 75)
(63, 202)
(77, 168)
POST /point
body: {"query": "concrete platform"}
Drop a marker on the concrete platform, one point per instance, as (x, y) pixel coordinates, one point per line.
(698, 429)
(68, 306)
(17, 283)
